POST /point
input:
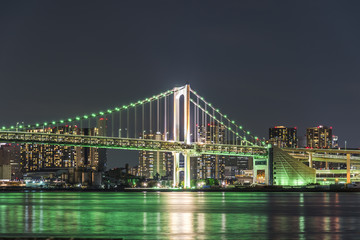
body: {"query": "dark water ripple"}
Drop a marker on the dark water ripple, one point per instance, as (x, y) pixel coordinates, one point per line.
(181, 215)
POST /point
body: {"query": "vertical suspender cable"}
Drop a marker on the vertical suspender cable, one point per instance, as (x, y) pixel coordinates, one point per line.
(158, 117)
(221, 126)
(143, 113)
(150, 132)
(120, 124)
(128, 124)
(112, 124)
(194, 124)
(214, 127)
(229, 132)
(197, 118)
(203, 129)
(165, 112)
(135, 123)
(234, 136)
(206, 125)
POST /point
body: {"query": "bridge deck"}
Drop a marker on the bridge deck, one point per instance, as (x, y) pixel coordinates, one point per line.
(194, 149)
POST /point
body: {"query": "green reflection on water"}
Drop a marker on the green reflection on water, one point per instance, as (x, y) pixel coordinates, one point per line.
(170, 215)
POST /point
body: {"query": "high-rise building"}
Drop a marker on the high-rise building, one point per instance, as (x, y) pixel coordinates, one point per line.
(335, 141)
(41, 157)
(213, 133)
(319, 137)
(211, 166)
(155, 164)
(10, 155)
(102, 152)
(283, 136)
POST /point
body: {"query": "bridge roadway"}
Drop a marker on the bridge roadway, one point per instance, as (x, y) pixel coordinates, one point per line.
(194, 149)
(322, 155)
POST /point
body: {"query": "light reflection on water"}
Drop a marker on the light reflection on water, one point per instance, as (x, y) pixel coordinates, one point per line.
(181, 215)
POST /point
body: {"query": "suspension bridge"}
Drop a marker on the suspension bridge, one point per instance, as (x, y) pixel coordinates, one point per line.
(178, 121)
(182, 122)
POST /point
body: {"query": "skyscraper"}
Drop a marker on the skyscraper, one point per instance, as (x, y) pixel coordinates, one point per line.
(319, 137)
(41, 157)
(102, 152)
(283, 136)
(10, 155)
(153, 164)
(211, 166)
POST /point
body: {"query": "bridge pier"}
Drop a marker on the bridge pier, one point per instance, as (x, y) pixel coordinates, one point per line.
(348, 180)
(310, 160)
(178, 92)
(176, 174)
(187, 170)
(326, 164)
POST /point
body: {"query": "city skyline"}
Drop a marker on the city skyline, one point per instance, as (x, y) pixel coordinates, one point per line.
(55, 68)
(179, 119)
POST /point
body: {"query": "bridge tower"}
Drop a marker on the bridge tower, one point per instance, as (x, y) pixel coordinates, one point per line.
(178, 92)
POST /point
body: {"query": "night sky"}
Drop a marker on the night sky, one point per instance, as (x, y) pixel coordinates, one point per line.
(263, 63)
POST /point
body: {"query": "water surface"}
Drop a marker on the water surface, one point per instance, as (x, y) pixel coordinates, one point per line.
(181, 215)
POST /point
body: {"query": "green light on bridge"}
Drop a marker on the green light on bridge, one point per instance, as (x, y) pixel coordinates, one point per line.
(53, 122)
(61, 121)
(233, 122)
(248, 132)
(109, 111)
(101, 113)
(225, 116)
(78, 118)
(45, 123)
(86, 116)
(69, 120)
(117, 109)
(93, 115)
(240, 127)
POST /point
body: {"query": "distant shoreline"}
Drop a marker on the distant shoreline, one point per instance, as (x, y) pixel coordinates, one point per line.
(128, 190)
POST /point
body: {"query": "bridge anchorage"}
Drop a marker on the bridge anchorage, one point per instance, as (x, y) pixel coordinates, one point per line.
(178, 121)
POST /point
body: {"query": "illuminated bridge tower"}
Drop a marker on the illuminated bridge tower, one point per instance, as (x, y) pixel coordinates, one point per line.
(178, 92)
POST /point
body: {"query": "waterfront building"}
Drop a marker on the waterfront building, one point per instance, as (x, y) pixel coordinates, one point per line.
(155, 164)
(211, 166)
(42, 157)
(319, 137)
(10, 155)
(235, 166)
(5, 172)
(282, 136)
